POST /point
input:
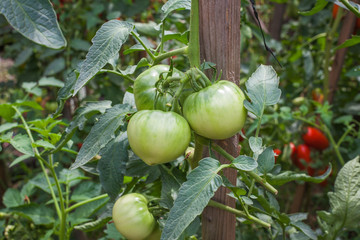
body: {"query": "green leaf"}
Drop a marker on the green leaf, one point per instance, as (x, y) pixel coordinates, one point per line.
(244, 163)
(82, 114)
(7, 126)
(135, 48)
(39, 214)
(71, 177)
(255, 144)
(31, 87)
(85, 190)
(348, 43)
(147, 29)
(193, 197)
(23, 56)
(171, 181)
(289, 176)
(106, 44)
(19, 160)
(80, 44)
(93, 225)
(305, 229)
(7, 112)
(181, 37)
(22, 143)
(50, 81)
(112, 165)
(34, 19)
(173, 5)
(266, 161)
(345, 200)
(320, 5)
(262, 89)
(65, 92)
(30, 104)
(12, 198)
(101, 133)
(55, 66)
(44, 144)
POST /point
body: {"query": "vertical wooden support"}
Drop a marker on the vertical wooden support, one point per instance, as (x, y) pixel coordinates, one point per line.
(220, 44)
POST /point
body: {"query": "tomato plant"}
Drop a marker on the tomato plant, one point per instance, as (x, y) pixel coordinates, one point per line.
(217, 111)
(157, 136)
(277, 152)
(145, 88)
(316, 139)
(132, 218)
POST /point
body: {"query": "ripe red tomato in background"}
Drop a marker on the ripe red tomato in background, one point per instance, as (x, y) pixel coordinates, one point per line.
(316, 139)
(302, 152)
(277, 153)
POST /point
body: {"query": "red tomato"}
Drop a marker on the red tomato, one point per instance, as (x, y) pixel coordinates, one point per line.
(317, 95)
(79, 145)
(293, 150)
(335, 10)
(311, 171)
(240, 137)
(277, 152)
(316, 139)
(302, 152)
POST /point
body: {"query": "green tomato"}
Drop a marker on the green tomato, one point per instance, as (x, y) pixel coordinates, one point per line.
(157, 136)
(217, 111)
(132, 218)
(145, 90)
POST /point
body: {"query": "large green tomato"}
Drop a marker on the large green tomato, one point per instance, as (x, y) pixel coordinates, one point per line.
(217, 111)
(145, 90)
(157, 136)
(132, 218)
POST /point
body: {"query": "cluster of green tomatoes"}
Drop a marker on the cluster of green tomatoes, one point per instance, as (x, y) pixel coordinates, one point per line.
(170, 104)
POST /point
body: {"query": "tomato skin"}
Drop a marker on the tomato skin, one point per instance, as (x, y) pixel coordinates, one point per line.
(145, 90)
(217, 111)
(277, 152)
(302, 152)
(132, 217)
(316, 139)
(157, 136)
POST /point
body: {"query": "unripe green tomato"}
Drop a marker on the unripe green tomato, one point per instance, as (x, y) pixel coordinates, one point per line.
(157, 136)
(132, 218)
(145, 90)
(217, 111)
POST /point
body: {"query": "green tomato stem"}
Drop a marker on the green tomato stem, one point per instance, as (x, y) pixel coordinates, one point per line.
(183, 82)
(238, 213)
(143, 44)
(60, 210)
(194, 43)
(350, 7)
(333, 143)
(179, 51)
(79, 204)
(198, 152)
(256, 177)
(117, 73)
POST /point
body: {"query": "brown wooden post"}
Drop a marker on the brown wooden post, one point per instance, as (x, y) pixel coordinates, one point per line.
(220, 44)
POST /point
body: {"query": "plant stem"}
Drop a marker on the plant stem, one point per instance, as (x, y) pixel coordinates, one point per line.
(333, 143)
(60, 210)
(179, 51)
(194, 43)
(85, 202)
(256, 177)
(117, 73)
(197, 153)
(350, 7)
(183, 81)
(238, 213)
(328, 46)
(143, 44)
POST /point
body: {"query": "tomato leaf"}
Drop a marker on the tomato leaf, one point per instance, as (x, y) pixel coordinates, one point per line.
(345, 200)
(319, 5)
(244, 163)
(171, 182)
(22, 143)
(7, 112)
(106, 44)
(193, 197)
(101, 133)
(262, 89)
(7, 126)
(12, 198)
(65, 92)
(173, 5)
(348, 43)
(289, 176)
(39, 214)
(35, 20)
(266, 161)
(82, 114)
(112, 165)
